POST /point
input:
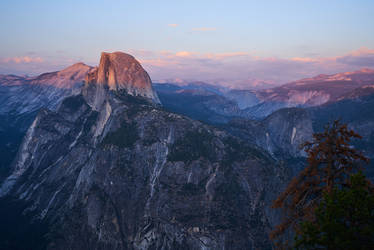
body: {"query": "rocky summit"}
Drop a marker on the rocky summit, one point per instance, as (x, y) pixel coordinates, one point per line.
(110, 169)
(120, 71)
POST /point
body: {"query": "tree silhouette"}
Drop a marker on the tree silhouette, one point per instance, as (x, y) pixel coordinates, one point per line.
(330, 162)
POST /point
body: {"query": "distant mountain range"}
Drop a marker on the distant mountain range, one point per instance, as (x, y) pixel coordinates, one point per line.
(311, 91)
(257, 104)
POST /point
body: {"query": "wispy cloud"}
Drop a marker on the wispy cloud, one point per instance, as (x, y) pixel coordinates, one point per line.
(174, 25)
(35, 64)
(363, 57)
(23, 59)
(204, 29)
(247, 70)
(184, 54)
(304, 59)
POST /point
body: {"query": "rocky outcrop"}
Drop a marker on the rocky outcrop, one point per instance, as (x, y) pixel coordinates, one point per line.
(119, 71)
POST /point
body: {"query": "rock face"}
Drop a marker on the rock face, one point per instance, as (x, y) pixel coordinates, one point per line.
(128, 175)
(280, 134)
(244, 98)
(22, 97)
(120, 71)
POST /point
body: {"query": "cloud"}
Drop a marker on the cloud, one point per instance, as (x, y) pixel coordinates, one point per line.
(247, 70)
(174, 25)
(361, 61)
(184, 54)
(362, 51)
(204, 29)
(222, 56)
(363, 58)
(23, 59)
(36, 64)
(304, 59)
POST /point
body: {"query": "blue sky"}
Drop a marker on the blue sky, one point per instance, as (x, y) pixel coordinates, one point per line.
(53, 34)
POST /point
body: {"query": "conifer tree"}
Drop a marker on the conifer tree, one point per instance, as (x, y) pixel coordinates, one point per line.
(331, 160)
(344, 219)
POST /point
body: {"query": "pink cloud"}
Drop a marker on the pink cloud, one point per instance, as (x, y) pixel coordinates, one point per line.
(362, 51)
(23, 59)
(173, 25)
(246, 70)
(223, 56)
(35, 64)
(204, 29)
(184, 54)
(155, 62)
(304, 59)
(362, 57)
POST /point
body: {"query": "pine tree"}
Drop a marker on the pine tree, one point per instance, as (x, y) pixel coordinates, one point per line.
(330, 162)
(344, 219)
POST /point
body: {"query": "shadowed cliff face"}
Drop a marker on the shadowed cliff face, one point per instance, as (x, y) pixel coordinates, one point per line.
(199, 104)
(126, 174)
(18, 227)
(22, 97)
(281, 133)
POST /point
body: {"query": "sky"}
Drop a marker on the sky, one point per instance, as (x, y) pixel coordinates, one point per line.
(234, 43)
